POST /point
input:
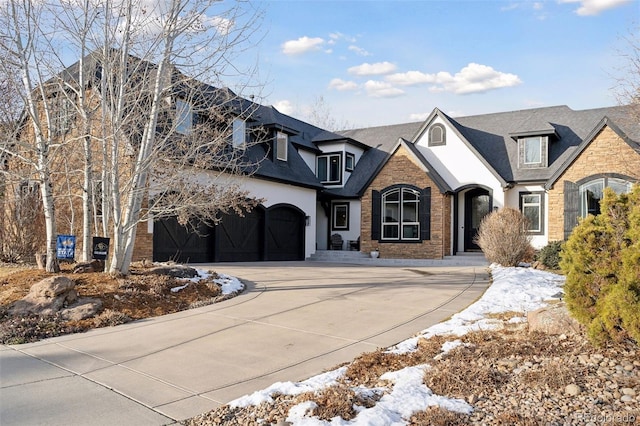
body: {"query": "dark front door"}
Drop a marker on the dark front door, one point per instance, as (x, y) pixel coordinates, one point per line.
(477, 204)
(184, 244)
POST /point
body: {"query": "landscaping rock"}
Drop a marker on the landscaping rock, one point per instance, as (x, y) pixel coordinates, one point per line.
(84, 308)
(177, 271)
(554, 319)
(572, 390)
(46, 297)
(89, 267)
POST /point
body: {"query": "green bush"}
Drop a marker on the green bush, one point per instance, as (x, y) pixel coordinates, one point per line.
(503, 237)
(549, 255)
(601, 260)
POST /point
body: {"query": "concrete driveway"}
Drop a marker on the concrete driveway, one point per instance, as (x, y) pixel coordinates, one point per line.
(294, 321)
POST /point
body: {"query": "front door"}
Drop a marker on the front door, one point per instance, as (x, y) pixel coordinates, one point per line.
(477, 204)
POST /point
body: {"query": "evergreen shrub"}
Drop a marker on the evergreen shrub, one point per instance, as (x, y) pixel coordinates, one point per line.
(549, 255)
(601, 260)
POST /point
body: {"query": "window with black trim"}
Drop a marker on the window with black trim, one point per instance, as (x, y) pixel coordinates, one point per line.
(401, 213)
(329, 168)
(239, 133)
(184, 117)
(340, 217)
(532, 207)
(349, 162)
(437, 135)
(282, 141)
(62, 114)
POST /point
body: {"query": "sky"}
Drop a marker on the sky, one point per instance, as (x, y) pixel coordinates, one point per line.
(387, 62)
(512, 290)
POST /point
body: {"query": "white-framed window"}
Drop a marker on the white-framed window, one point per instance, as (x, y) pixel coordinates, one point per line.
(532, 207)
(340, 217)
(349, 162)
(437, 135)
(282, 141)
(592, 192)
(184, 117)
(329, 168)
(532, 150)
(62, 114)
(239, 132)
(400, 215)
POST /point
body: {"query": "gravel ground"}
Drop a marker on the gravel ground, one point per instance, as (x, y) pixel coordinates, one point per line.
(511, 377)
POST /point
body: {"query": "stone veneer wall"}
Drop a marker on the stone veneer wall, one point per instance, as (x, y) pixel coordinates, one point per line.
(607, 153)
(402, 169)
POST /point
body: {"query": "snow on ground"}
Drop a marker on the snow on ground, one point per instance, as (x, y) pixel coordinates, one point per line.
(513, 289)
(227, 283)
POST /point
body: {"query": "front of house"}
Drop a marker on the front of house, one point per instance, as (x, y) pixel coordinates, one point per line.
(420, 190)
(413, 190)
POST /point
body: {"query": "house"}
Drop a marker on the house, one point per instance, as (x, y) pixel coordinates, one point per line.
(427, 197)
(413, 190)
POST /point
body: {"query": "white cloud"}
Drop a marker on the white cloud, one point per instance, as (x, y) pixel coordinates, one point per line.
(359, 50)
(285, 107)
(595, 7)
(377, 68)
(342, 85)
(474, 78)
(382, 89)
(302, 45)
(419, 116)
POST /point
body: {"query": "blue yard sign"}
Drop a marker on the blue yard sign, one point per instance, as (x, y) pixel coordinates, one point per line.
(66, 247)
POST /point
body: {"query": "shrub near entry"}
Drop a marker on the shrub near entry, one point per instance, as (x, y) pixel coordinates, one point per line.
(503, 237)
(601, 260)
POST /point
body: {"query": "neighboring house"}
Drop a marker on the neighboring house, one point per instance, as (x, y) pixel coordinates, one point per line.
(416, 190)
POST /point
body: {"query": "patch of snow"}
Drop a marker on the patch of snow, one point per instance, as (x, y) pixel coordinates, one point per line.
(229, 284)
(312, 384)
(513, 289)
(177, 289)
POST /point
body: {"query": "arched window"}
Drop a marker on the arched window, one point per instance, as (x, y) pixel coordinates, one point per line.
(592, 192)
(401, 213)
(437, 135)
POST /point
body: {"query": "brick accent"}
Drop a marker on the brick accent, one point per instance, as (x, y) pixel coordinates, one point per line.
(402, 168)
(607, 153)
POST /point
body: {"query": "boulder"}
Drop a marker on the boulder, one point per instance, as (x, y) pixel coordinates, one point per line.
(46, 297)
(84, 308)
(177, 271)
(553, 319)
(88, 267)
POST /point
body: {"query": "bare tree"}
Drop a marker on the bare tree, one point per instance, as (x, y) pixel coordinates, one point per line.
(153, 142)
(321, 115)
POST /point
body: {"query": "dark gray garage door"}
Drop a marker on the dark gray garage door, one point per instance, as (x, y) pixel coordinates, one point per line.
(276, 233)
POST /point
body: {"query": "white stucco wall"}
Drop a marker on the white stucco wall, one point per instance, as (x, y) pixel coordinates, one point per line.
(460, 167)
(309, 158)
(512, 199)
(352, 234)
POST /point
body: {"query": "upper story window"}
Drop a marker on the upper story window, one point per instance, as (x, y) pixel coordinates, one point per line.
(592, 192)
(239, 132)
(533, 151)
(184, 117)
(62, 114)
(282, 141)
(329, 168)
(437, 135)
(349, 162)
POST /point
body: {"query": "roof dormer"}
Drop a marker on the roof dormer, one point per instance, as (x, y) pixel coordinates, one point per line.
(533, 147)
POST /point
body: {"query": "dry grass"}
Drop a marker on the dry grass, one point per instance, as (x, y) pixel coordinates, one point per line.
(136, 296)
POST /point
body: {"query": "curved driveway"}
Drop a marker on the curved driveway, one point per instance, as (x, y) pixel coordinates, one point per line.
(296, 320)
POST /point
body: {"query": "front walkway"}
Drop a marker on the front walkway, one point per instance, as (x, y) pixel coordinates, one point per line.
(296, 320)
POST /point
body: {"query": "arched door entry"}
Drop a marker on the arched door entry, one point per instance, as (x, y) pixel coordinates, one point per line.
(477, 204)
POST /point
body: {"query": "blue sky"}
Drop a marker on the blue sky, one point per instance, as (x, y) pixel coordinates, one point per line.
(387, 62)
